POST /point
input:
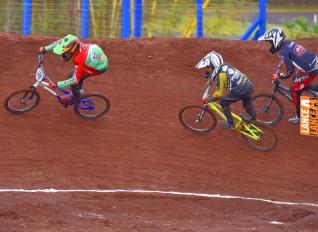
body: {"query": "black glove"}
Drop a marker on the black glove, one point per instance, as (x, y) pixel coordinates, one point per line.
(284, 76)
(212, 99)
(207, 74)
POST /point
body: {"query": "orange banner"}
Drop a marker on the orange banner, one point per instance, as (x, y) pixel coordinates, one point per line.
(309, 116)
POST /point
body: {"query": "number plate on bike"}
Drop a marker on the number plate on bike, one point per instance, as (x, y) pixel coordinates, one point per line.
(39, 75)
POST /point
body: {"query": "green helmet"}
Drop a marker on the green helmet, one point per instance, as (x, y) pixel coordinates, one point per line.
(67, 47)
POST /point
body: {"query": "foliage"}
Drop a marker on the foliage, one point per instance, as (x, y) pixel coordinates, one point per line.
(300, 28)
(222, 20)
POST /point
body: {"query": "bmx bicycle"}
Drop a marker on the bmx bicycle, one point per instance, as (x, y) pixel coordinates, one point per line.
(202, 119)
(90, 106)
(269, 108)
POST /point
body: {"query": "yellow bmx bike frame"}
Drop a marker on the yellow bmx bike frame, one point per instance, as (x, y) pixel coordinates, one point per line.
(248, 129)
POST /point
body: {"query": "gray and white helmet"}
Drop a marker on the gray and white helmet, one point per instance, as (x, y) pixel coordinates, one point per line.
(213, 60)
(275, 36)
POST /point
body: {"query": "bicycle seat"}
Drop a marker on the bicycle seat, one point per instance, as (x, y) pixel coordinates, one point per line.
(245, 117)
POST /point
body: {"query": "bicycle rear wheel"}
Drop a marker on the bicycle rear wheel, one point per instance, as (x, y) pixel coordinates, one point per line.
(268, 138)
(92, 106)
(22, 101)
(197, 118)
(269, 109)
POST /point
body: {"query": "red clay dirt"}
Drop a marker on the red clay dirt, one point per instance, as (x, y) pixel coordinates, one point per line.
(140, 144)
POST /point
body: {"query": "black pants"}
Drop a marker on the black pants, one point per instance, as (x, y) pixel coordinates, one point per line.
(76, 88)
(246, 98)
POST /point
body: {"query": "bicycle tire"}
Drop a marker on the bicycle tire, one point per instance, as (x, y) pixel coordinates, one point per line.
(268, 131)
(197, 109)
(24, 93)
(272, 120)
(87, 101)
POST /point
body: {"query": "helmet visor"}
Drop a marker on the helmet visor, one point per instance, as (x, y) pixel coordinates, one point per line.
(64, 44)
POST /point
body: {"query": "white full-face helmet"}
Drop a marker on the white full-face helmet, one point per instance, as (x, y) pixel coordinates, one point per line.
(212, 60)
(275, 37)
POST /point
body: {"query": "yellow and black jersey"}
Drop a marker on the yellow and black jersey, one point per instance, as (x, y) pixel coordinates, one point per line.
(232, 79)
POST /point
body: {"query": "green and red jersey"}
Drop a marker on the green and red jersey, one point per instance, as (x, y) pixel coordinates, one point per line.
(88, 60)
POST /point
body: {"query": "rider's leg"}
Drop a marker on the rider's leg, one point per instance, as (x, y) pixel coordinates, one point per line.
(76, 91)
(300, 83)
(66, 99)
(312, 86)
(296, 93)
(225, 102)
(79, 89)
(248, 105)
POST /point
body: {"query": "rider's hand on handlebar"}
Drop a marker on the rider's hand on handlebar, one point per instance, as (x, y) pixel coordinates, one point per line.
(53, 85)
(275, 77)
(209, 99)
(212, 99)
(42, 50)
(207, 74)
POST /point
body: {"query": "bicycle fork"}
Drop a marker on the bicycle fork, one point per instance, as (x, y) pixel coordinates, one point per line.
(200, 115)
(25, 99)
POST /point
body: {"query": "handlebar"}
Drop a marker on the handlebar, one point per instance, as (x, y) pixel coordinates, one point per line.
(41, 68)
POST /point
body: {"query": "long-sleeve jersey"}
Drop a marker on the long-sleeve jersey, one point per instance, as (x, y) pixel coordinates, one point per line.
(232, 79)
(88, 60)
(294, 55)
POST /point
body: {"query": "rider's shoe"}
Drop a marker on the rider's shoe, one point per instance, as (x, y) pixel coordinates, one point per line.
(246, 117)
(226, 124)
(294, 120)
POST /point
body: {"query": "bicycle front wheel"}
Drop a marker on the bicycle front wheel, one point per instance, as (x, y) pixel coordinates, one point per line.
(22, 101)
(269, 109)
(197, 118)
(92, 106)
(268, 138)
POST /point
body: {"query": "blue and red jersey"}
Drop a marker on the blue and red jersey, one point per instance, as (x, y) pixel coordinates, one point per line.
(294, 55)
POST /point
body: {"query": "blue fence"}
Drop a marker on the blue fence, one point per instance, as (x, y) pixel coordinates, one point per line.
(259, 24)
(125, 20)
(258, 27)
(27, 17)
(85, 18)
(199, 18)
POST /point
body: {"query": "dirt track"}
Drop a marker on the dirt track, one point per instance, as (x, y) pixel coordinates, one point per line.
(141, 145)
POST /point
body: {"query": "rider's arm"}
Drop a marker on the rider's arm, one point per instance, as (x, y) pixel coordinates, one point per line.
(68, 82)
(221, 81)
(77, 74)
(288, 64)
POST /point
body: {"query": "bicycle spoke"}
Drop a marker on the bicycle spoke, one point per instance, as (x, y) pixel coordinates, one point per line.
(197, 119)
